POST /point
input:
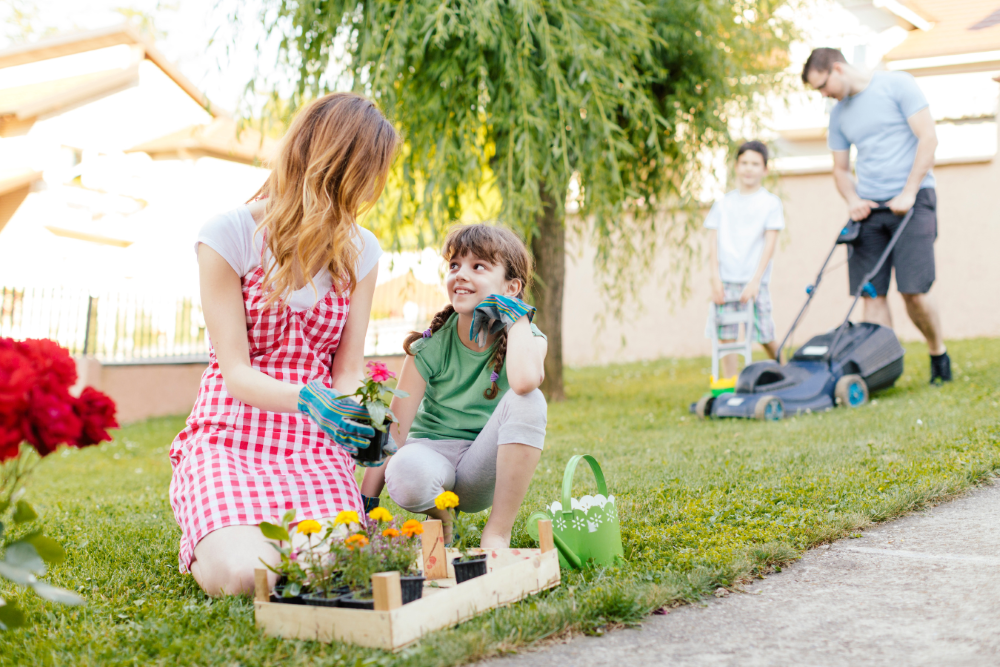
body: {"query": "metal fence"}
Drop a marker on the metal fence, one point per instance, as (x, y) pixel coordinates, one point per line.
(113, 326)
(137, 328)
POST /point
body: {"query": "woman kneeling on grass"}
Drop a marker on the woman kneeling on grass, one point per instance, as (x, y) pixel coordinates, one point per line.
(286, 285)
(460, 429)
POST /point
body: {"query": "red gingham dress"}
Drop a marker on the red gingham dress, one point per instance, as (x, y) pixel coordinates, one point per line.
(235, 465)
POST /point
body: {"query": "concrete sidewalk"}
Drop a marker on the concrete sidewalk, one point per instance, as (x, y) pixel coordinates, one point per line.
(923, 590)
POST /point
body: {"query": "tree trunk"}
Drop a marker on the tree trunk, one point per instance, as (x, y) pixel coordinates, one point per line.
(549, 249)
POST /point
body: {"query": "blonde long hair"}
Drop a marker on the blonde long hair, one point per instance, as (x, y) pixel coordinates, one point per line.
(497, 245)
(331, 169)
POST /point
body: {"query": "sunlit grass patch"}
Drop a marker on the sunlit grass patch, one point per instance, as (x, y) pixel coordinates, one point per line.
(702, 505)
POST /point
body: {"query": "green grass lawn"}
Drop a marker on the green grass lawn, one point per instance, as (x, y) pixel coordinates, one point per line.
(702, 505)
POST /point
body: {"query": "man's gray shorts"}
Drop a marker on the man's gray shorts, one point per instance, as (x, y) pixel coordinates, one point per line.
(913, 256)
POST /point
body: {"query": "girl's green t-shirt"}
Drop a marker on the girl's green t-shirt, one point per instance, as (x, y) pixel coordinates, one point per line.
(453, 407)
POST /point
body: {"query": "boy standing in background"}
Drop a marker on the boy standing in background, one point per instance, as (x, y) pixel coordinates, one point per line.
(743, 231)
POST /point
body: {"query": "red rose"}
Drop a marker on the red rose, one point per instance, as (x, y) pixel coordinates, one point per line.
(11, 437)
(97, 414)
(16, 377)
(51, 420)
(55, 368)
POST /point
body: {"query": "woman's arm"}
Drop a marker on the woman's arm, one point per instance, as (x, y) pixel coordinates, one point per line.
(525, 360)
(225, 318)
(405, 410)
(349, 361)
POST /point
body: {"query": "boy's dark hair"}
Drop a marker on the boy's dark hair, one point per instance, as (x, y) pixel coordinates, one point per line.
(755, 146)
(821, 60)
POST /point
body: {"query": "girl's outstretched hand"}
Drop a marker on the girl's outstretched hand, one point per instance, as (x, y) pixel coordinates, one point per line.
(495, 313)
(336, 416)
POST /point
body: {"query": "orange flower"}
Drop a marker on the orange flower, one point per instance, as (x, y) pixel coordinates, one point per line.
(357, 540)
(390, 532)
(412, 528)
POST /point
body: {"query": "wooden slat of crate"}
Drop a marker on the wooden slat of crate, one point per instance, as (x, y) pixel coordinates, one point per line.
(395, 629)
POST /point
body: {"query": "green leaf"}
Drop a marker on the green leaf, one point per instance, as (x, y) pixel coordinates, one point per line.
(272, 532)
(54, 594)
(24, 555)
(1, 530)
(377, 411)
(23, 512)
(288, 518)
(10, 616)
(50, 550)
(398, 392)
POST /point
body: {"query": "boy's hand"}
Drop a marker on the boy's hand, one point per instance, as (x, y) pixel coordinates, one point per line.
(750, 292)
(495, 313)
(718, 293)
(336, 416)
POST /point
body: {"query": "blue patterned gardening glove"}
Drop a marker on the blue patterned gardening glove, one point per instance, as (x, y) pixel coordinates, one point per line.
(336, 416)
(496, 313)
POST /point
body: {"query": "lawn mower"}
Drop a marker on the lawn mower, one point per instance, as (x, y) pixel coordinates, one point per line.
(841, 367)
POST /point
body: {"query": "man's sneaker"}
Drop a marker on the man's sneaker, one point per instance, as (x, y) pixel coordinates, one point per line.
(940, 368)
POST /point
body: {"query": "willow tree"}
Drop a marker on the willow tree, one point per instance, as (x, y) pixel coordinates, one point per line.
(520, 98)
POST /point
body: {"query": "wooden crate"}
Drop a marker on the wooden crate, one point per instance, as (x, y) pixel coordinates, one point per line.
(512, 575)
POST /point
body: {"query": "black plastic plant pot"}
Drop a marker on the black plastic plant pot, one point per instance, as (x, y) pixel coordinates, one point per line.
(352, 601)
(413, 588)
(278, 595)
(373, 452)
(469, 569)
(321, 599)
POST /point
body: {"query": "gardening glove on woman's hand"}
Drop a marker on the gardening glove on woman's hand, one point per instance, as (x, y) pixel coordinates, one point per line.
(335, 416)
(495, 313)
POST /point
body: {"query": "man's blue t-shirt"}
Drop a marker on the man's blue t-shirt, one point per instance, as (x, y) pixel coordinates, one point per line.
(874, 120)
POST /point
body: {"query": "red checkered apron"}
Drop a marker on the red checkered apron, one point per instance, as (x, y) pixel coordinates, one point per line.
(235, 465)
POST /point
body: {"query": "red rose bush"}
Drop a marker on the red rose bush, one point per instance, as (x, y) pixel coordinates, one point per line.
(37, 415)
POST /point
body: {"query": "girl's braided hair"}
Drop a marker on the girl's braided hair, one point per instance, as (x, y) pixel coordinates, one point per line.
(497, 245)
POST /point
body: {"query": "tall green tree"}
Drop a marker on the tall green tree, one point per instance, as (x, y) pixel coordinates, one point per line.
(522, 98)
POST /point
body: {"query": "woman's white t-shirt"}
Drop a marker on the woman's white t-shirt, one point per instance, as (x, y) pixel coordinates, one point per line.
(232, 235)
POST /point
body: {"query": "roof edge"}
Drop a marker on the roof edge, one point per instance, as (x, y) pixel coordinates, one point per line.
(70, 43)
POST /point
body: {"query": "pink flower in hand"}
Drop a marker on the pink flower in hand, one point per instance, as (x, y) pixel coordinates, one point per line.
(378, 371)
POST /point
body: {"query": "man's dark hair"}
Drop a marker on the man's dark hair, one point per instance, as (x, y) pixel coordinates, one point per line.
(821, 60)
(755, 146)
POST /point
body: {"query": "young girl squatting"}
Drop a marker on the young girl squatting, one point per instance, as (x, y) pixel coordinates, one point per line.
(474, 420)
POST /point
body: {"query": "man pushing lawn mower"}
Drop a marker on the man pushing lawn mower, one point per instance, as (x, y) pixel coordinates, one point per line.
(886, 116)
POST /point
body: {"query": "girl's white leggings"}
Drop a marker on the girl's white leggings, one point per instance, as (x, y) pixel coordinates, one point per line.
(423, 468)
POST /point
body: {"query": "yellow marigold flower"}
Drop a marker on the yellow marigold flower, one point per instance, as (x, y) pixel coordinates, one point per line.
(345, 517)
(357, 540)
(390, 532)
(380, 514)
(308, 527)
(446, 500)
(412, 528)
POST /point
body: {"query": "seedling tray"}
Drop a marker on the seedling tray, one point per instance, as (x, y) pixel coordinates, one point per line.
(512, 575)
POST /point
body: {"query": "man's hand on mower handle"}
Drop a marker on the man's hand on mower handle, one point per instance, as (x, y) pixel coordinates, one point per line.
(901, 203)
(860, 209)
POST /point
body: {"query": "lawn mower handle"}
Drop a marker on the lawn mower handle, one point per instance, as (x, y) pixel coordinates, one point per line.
(811, 289)
(867, 279)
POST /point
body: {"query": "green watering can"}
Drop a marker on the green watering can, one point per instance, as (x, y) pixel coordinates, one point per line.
(586, 529)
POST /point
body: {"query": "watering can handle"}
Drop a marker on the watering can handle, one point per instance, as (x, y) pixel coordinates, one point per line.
(602, 487)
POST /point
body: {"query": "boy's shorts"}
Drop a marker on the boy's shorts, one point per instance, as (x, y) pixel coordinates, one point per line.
(763, 322)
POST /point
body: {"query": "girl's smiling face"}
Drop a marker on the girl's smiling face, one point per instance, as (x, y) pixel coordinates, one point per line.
(471, 279)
